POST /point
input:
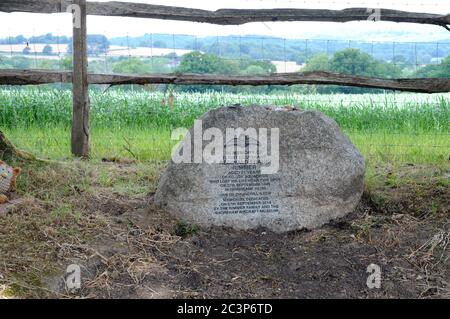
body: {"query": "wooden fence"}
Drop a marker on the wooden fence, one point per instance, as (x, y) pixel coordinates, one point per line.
(81, 79)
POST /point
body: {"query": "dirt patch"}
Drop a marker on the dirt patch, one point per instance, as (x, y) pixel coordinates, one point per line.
(128, 249)
(326, 263)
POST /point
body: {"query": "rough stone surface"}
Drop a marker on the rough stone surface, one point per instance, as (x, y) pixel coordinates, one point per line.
(320, 176)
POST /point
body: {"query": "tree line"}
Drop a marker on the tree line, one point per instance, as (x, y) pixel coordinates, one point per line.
(349, 61)
(257, 47)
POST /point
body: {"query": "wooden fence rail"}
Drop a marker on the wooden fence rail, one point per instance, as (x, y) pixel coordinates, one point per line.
(422, 85)
(225, 16)
(81, 79)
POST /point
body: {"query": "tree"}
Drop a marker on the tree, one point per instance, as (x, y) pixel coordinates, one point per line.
(48, 50)
(304, 55)
(97, 44)
(159, 44)
(67, 63)
(400, 59)
(132, 66)
(253, 70)
(353, 61)
(441, 70)
(202, 63)
(26, 51)
(265, 67)
(47, 64)
(245, 49)
(197, 62)
(356, 62)
(20, 39)
(20, 62)
(319, 62)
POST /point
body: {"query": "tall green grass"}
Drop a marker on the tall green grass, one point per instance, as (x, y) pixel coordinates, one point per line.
(411, 128)
(389, 112)
(155, 144)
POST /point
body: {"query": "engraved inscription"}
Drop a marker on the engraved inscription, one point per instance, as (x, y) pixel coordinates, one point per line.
(244, 190)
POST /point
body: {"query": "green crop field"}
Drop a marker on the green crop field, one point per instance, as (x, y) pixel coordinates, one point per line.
(400, 128)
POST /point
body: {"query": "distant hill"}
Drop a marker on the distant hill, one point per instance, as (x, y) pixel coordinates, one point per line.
(273, 48)
(267, 47)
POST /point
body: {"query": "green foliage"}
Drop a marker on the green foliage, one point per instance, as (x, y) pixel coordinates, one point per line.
(14, 63)
(46, 38)
(67, 63)
(319, 62)
(132, 66)
(47, 64)
(441, 70)
(96, 44)
(20, 39)
(412, 128)
(197, 62)
(48, 50)
(304, 55)
(118, 108)
(260, 47)
(201, 63)
(260, 67)
(354, 62)
(184, 229)
(159, 44)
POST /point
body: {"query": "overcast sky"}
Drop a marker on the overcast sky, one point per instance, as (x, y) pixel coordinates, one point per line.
(36, 24)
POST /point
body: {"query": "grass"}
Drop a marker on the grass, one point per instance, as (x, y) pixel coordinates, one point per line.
(389, 128)
(60, 210)
(142, 109)
(137, 124)
(71, 210)
(404, 138)
(134, 143)
(146, 144)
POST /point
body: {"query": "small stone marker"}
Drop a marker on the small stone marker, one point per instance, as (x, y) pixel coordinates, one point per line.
(284, 170)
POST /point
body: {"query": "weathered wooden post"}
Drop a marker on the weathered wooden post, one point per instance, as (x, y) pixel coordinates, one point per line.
(80, 120)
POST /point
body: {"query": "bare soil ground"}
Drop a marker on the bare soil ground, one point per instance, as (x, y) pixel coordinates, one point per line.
(101, 217)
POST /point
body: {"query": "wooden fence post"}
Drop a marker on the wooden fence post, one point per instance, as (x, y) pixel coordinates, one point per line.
(80, 120)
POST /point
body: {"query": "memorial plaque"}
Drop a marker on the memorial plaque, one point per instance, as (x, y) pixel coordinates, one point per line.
(259, 166)
(243, 189)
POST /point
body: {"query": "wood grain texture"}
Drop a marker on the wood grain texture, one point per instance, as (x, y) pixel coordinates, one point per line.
(81, 107)
(223, 16)
(422, 85)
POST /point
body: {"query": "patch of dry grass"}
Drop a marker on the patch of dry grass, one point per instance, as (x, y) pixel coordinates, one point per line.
(88, 213)
(62, 205)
